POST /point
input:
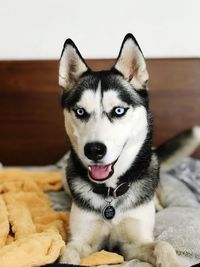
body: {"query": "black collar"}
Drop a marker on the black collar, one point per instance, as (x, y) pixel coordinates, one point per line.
(111, 192)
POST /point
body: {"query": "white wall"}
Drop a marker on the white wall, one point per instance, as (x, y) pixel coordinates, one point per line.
(37, 29)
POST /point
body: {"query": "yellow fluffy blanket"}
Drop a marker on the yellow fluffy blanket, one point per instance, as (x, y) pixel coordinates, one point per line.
(31, 232)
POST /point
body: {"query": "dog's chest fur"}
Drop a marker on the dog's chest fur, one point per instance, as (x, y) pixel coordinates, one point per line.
(110, 234)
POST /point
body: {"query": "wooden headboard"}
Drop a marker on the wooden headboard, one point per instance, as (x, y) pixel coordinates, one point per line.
(31, 120)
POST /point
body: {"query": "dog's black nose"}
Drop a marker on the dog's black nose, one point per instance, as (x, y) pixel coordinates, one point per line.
(95, 151)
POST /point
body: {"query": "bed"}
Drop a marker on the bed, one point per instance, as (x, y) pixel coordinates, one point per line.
(32, 134)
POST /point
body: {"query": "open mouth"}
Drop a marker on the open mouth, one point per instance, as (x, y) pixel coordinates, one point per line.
(101, 172)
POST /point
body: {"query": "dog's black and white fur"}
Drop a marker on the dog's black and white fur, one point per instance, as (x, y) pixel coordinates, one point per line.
(108, 121)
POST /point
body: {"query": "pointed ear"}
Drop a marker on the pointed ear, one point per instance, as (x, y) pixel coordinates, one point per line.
(131, 63)
(71, 65)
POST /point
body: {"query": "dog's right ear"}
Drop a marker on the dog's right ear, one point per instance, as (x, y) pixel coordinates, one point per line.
(71, 66)
(131, 63)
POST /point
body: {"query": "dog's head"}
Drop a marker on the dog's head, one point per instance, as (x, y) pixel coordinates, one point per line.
(105, 112)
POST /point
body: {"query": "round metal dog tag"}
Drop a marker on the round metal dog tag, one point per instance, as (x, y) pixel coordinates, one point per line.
(108, 212)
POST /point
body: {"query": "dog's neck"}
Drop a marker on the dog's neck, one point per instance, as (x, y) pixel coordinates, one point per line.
(107, 192)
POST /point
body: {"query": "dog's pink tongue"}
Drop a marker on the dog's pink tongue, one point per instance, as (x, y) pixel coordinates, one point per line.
(100, 172)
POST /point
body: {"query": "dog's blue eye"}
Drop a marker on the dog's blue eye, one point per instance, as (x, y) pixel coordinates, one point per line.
(80, 112)
(118, 111)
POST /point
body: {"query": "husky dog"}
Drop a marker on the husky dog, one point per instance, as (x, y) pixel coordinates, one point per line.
(112, 171)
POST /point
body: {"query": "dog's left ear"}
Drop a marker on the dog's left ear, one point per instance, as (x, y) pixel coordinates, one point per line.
(131, 63)
(71, 65)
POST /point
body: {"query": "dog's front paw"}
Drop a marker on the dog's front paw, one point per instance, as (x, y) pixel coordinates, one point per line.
(70, 256)
(166, 255)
